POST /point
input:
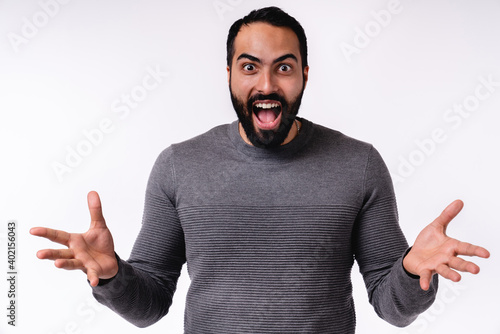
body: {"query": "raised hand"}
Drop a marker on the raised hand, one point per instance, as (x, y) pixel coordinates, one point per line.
(92, 251)
(435, 252)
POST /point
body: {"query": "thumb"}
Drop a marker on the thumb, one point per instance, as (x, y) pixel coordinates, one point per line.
(96, 217)
(425, 279)
(92, 277)
(448, 214)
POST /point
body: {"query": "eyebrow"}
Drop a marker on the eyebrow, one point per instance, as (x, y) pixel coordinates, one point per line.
(277, 60)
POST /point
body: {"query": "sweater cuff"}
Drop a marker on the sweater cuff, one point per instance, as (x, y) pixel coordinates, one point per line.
(408, 273)
(410, 284)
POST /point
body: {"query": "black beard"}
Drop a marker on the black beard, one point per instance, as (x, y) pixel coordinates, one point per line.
(266, 138)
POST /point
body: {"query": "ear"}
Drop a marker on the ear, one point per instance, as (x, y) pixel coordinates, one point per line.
(228, 75)
(306, 75)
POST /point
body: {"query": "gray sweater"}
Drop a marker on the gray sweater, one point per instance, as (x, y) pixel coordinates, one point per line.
(269, 237)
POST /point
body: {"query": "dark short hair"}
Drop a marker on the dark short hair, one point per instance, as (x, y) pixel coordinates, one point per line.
(274, 16)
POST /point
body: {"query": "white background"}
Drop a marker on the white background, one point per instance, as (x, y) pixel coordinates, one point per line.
(70, 72)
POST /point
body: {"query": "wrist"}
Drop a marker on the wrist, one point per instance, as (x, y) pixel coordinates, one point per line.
(405, 264)
(113, 272)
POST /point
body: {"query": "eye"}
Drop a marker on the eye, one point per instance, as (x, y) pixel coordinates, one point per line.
(285, 68)
(249, 67)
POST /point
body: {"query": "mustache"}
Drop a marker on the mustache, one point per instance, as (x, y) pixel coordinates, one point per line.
(272, 96)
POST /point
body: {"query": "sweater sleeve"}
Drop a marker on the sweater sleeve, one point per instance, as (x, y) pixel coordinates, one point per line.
(379, 248)
(143, 289)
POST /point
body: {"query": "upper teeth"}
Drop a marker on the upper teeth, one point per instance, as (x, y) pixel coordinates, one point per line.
(267, 105)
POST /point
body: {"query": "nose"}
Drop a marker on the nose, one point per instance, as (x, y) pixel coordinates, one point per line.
(266, 83)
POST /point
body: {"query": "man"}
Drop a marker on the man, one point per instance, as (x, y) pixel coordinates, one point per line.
(269, 213)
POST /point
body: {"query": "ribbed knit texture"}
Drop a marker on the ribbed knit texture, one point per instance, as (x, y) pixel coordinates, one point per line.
(269, 236)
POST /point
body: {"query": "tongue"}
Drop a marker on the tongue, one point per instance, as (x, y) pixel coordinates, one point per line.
(266, 116)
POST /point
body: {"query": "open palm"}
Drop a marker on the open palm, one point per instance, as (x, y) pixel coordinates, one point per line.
(92, 251)
(435, 252)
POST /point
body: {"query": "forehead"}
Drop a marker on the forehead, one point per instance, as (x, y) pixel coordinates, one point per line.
(265, 41)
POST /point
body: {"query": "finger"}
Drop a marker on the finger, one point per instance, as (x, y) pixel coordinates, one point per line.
(58, 236)
(425, 279)
(38, 231)
(95, 208)
(54, 254)
(448, 273)
(93, 277)
(464, 266)
(449, 213)
(465, 248)
(72, 264)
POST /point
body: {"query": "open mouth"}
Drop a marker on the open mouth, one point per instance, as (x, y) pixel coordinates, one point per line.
(267, 114)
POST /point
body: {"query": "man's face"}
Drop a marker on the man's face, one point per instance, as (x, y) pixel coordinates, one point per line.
(266, 81)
